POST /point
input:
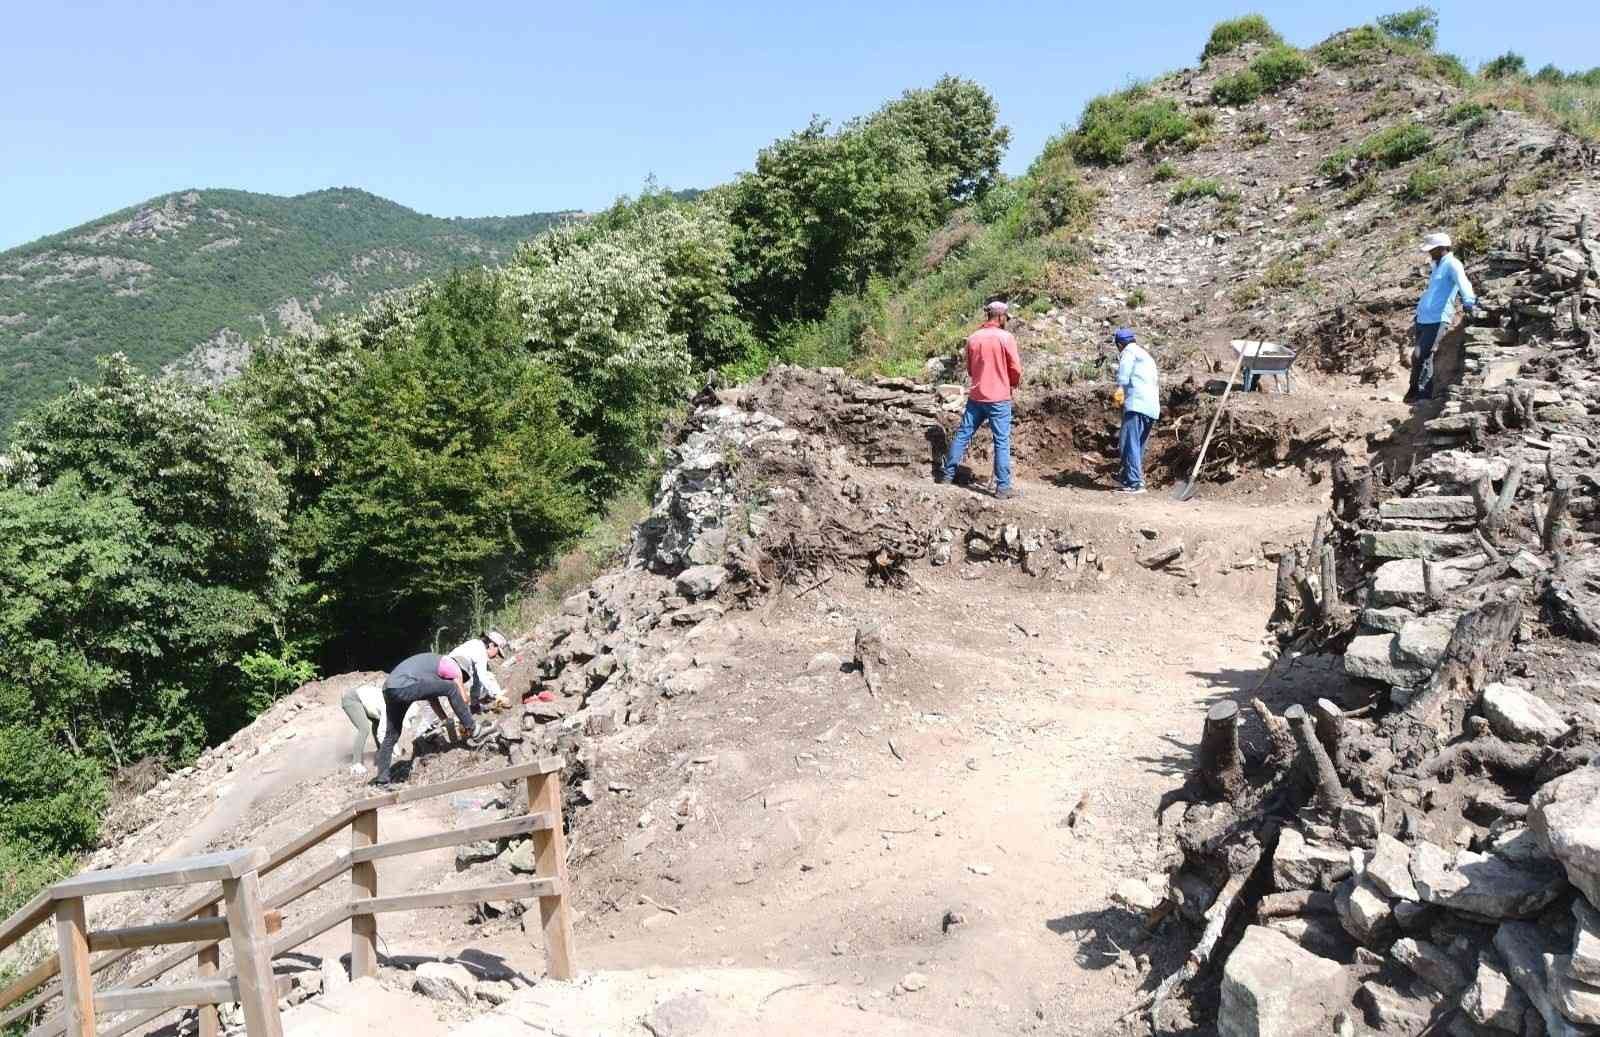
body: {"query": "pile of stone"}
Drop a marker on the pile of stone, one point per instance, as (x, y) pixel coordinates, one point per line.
(1428, 847)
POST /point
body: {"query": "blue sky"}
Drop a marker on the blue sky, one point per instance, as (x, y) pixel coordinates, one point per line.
(483, 108)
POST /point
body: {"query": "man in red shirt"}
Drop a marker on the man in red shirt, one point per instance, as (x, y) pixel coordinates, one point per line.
(995, 369)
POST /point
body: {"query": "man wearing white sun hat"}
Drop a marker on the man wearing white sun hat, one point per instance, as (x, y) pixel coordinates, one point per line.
(1436, 311)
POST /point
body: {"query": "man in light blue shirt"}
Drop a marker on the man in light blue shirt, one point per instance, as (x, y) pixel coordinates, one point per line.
(1139, 386)
(1436, 311)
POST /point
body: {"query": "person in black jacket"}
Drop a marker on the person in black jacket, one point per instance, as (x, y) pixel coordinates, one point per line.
(426, 677)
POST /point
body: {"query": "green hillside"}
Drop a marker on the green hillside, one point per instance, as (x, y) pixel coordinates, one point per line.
(157, 280)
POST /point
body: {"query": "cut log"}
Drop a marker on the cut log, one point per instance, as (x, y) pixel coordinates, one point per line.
(1330, 794)
(1560, 495)
(1221, 766)
(1477, 649)
(1487, 754)
(1352, 490)
(1295, 902)
(1285, 605)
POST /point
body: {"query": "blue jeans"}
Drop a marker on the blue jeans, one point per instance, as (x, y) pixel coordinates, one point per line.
(1426, 336)
(998, 415)
(1135, 433)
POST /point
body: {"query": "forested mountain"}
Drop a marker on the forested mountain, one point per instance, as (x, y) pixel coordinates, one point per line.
(184, 280)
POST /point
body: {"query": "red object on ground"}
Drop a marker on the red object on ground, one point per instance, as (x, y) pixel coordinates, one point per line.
(545, 696)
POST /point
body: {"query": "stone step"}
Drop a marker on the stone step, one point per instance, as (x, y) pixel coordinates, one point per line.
(1440, 508)
(1415, 544)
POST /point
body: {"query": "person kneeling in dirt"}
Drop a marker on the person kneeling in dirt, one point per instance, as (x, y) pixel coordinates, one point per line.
(426, 677)
(1436, 311)
(995, 369)
(473, 657)
(363, 704)
(1139, 391)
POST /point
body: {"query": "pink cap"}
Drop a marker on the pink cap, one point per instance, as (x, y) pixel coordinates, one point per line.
(448, 668)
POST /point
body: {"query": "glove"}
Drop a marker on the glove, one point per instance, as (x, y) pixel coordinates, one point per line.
(1118, 397)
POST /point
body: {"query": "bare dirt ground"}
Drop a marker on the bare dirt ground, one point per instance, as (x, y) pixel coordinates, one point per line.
(961, 833)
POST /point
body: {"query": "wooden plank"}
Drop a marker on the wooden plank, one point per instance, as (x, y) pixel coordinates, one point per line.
(335, 916)
(77, 986)
(208, 929)
(209, 867)
(37, 976)
(544, 765)
(25, 918)
(207, 966)
(550, 862)
(519, 825)
(453, 897)
(363, 886)
(159, 1000)
(252, 956)
(285, 942)
(328, 872)
(136, 999)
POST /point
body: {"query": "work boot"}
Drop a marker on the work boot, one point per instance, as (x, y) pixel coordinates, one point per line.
(1008, 493)
(479, 737)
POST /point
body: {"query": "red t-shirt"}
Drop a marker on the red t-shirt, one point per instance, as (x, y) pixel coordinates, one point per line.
(992, 364)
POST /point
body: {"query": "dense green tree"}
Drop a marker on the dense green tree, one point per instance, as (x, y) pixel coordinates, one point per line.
(148, 532)
(955, 126)
(1419, 25)
(823, 212)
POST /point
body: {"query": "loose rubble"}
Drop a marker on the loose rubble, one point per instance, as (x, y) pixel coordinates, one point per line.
(1449, 800)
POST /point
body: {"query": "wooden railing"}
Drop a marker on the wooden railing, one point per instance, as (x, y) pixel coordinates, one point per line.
(199, 921)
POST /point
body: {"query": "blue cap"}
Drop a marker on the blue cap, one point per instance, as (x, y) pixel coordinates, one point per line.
(1123, 336)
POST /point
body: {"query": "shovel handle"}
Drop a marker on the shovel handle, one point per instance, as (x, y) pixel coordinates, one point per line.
(1198, 461)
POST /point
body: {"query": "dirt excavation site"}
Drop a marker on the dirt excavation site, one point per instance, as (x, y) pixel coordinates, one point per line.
(844, 751)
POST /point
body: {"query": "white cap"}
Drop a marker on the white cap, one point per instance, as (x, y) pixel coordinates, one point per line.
(1433, 241)
(499, 640)
(997, 306)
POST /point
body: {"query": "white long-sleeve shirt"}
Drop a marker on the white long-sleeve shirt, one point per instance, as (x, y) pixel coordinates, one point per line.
(371, 696)
(474, 659)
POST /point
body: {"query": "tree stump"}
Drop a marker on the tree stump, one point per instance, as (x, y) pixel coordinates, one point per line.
(1221, 764)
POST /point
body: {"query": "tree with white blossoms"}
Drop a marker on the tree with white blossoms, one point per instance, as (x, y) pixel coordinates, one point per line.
(598, 309)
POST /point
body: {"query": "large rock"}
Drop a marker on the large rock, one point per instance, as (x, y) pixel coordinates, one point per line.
(1412, 543)
(1390, 869)
(1390, 620)
(1492, 1000)
(1444, 509)
(1400, 582)
(1481, 885)
(1392, 1012)
(1518, 716)
(1565, 816)
(1376, 657)
(1364, 911)
(1298, 864)
(1422, 641)
(1586, 941)
(1272, 987)
(1458, 470)
(1577, 1000)
(445, 981)
(1523, 947)
(1430, 964)
(700, 581)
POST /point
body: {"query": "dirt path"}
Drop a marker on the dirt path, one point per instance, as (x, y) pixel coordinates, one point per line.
(1034, 727)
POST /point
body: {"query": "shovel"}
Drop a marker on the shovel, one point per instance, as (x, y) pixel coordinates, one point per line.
(1185, 490)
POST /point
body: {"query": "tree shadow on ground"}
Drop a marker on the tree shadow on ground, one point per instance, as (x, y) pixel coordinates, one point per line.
(1103, 936)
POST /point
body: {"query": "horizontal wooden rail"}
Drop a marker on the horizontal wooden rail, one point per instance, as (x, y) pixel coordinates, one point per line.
(211, 930)
(210, 867)
(282, 945)
(522, 824)
(187, 995)
(455, 897)
(40, 907)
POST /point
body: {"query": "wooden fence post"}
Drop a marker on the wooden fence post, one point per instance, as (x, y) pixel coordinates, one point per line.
(209, 963)
(77, 986)
(252, 955)
(550, 862)
(364, 885)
